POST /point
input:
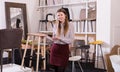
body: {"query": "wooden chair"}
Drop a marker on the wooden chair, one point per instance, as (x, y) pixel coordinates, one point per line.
(114, 51)
(9, 39)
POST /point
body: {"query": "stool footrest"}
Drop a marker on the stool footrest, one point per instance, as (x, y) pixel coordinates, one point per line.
(33, 57)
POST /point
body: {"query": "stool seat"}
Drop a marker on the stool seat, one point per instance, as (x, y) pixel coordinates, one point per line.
(96, 42)
(36, 34)
(74, 58)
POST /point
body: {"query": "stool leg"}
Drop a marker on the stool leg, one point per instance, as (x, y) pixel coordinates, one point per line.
(102, 57)
(25, 51)
(38, 51)
(32, 50)
(80, 66)
(73, 66)
(94, 56)
(44, 53)
(97, 54)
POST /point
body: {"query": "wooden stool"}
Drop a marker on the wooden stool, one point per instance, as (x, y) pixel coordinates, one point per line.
(43, 49)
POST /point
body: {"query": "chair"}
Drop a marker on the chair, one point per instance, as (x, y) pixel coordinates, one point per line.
(9, 39)
(84, 49)
(113, 51)
(76, 58)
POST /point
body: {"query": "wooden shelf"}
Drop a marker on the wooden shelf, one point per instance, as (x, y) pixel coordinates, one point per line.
(83, 28)
(69, 4)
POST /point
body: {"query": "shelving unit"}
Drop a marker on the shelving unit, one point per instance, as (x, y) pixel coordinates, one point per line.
(68, 4)
(83, 28)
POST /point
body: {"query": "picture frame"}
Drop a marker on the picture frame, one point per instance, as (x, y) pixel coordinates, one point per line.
(16, 16)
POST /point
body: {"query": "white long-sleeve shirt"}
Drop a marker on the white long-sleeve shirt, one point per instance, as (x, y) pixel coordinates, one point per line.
(68, 38)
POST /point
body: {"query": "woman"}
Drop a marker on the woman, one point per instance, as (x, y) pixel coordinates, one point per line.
(63, 36)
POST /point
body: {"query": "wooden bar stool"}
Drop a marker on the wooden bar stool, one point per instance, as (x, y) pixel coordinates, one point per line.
(41, 40)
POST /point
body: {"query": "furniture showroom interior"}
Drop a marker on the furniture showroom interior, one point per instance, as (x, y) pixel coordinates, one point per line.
(28, 35)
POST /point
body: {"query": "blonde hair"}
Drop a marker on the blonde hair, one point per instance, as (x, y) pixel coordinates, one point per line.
(66, 26)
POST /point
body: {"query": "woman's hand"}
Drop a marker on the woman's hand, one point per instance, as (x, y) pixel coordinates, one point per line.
(56, 38)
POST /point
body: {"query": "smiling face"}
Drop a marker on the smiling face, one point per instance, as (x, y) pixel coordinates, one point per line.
(61, 17)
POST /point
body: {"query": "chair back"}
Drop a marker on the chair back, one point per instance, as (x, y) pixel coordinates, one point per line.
(84, 49)
(78, 43)
(10, 38)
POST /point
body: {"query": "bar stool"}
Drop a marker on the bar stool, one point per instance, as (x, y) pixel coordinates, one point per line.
(40, 36)
(98, 45)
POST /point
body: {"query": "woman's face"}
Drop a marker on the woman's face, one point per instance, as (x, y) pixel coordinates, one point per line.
(61, 17)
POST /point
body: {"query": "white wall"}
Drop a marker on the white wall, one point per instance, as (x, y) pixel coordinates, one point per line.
(31, 14)
(2, 15)
(115, 22)
(103, 22)
(108, 22)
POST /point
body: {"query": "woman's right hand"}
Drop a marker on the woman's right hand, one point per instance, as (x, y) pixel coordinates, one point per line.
(56, 38)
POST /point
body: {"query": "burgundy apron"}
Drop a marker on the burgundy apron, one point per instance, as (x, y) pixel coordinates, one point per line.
(59, 54)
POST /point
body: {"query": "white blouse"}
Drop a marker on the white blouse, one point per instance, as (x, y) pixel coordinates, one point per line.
(68, 38)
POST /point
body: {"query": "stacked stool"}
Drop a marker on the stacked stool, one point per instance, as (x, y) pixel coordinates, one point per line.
(41, 39)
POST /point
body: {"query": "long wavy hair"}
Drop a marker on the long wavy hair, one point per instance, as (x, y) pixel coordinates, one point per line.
(66, 22)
